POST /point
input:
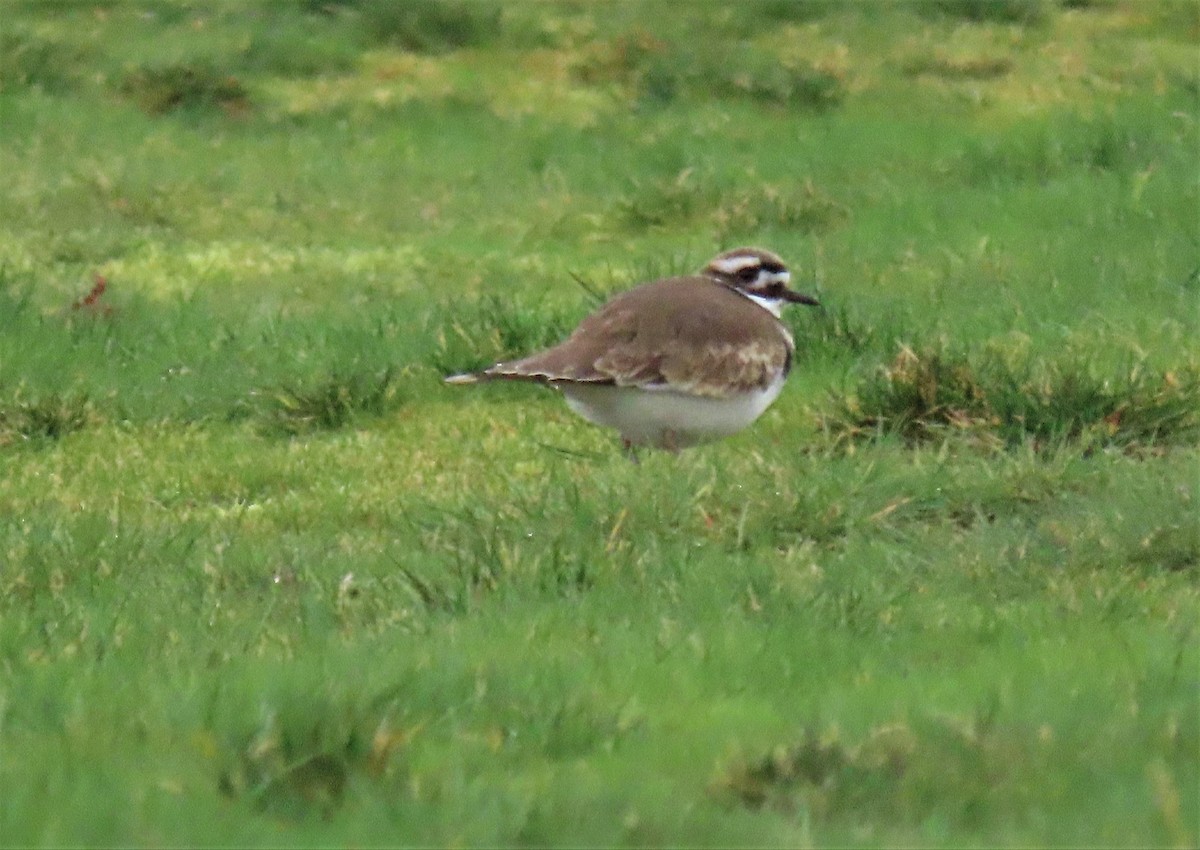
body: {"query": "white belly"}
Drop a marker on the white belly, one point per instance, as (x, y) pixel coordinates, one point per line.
(665, 418)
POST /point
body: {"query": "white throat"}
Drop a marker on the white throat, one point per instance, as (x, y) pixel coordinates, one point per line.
(774, 306)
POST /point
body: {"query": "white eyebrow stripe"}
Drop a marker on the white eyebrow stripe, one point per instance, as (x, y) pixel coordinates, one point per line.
(733, 265)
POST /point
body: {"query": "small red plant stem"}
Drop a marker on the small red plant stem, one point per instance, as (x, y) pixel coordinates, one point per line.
(92, 297)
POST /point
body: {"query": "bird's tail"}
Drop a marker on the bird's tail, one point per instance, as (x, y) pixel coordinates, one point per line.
(464, 378)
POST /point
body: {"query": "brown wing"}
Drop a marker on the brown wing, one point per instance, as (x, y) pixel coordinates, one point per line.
(642, 338)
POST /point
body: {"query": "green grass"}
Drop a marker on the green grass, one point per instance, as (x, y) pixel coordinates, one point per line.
(265, 581)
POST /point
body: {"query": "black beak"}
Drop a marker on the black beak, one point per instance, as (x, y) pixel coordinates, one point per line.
(793, 297)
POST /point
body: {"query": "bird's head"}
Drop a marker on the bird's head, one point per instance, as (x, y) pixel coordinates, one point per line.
(759, 275)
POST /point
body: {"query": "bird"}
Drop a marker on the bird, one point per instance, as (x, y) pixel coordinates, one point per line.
(675, 362)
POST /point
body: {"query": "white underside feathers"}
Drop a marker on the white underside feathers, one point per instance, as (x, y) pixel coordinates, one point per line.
(665, 418)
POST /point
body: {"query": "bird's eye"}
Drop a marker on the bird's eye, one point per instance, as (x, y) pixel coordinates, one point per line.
(748, 274)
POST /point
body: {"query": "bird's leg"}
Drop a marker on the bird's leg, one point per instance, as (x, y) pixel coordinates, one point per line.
(670, 441)
(630, 450)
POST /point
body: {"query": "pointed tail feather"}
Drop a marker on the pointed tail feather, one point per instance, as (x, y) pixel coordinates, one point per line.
(515, 372)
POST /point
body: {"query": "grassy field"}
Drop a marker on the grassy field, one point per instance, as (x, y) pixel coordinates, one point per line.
(264, 580)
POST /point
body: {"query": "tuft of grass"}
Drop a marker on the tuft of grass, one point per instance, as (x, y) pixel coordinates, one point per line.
(495, 328)
(832, 330)
(749, 19)
(292, 52)
(635, 58)
(806, 209)
(1026, 12)
(429, 26)
(15, 300)
(924, 395)
(467, 551)
(985, 67)
(658, 70)
(689, 197)
(28, 60)
(187, 86)
(330, 403)
(468, 554)
(765, 79)
(971, 755)
(48, 417)
(816, 773)
(296, 765)
(669, 200)
(1044, 151)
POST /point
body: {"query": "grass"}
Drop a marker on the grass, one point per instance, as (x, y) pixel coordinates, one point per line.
(329, 403)
(920, 395)
(163, 89)
(264, 580)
